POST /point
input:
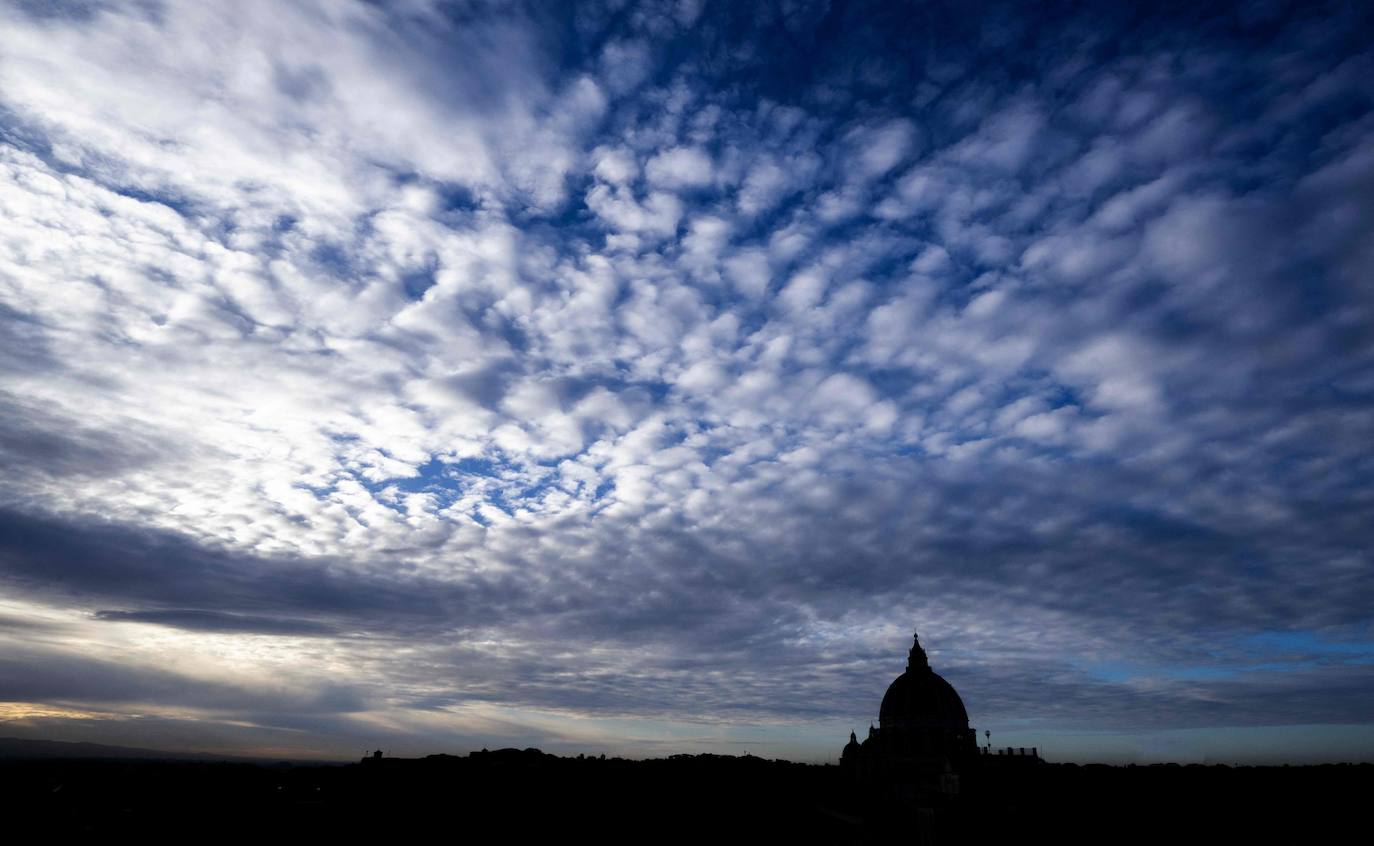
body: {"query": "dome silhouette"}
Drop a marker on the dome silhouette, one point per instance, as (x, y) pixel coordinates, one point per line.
(923, 739)
(921, 699)
(910, 770)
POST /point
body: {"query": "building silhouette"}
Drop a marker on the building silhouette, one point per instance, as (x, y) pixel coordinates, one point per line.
(911, 768)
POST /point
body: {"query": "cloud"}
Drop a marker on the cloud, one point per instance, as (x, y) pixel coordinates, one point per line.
(680, 167)
(878, 149)
(215, 621)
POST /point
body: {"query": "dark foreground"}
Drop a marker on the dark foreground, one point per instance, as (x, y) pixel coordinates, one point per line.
(520, 796)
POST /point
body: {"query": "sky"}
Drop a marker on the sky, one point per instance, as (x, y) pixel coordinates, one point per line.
(635, 378)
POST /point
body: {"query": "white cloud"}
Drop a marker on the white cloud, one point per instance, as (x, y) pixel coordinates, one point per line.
(770, 181)
(704, 243)
(658, 214)
(878, 149)
(1005, 141)
(749, 271)
(616, 166)
(680, 167)
(804, 290)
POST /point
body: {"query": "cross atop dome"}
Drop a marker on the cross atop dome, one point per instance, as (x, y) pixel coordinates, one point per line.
(916, 659)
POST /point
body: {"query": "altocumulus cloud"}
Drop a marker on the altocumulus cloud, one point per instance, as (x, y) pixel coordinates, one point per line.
(635, 378)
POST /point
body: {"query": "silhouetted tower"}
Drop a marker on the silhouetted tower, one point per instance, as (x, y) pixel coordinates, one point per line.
(849, 757)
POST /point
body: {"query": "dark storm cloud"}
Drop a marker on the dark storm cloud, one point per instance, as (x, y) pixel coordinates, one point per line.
(96, 563)
(40, 445)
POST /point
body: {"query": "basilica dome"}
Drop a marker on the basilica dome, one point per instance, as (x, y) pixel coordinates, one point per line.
(921, 699)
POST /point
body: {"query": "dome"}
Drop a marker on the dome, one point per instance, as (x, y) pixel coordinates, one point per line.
(920, 698)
